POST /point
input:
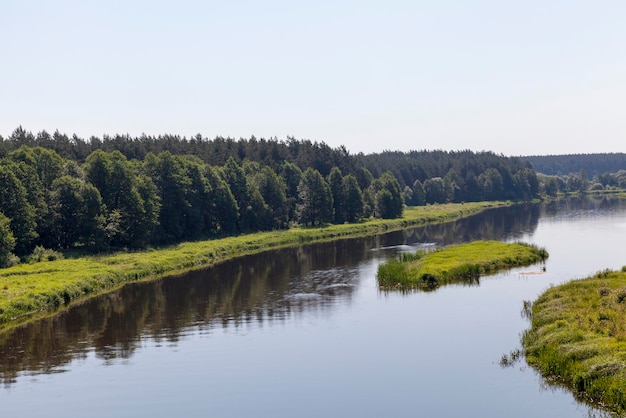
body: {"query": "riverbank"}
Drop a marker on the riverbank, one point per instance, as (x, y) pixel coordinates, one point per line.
(577, 338)
(29, 291)
(457, 263)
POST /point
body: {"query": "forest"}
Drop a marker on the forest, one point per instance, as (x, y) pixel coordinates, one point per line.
(62, 193)
(592, 164)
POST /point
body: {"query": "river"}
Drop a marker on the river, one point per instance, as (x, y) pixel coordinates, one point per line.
(305, 332)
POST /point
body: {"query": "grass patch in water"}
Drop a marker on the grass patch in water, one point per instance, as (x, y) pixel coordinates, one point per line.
(457, 263)
(577, 338)
(31, 290)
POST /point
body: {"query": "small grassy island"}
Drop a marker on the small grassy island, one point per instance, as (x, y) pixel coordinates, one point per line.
(457, 263)
(577, 338)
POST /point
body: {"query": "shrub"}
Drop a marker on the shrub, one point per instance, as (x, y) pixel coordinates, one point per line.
(44, 254)
(12, 260)
(430, 280)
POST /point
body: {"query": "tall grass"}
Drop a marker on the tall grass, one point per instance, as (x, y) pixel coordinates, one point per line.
(30, 290)
(577, 338)
(458, 263)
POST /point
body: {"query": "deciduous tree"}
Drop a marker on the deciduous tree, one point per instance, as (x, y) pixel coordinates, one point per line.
(14, 205)
(353, 198)
(315, 200)
(7, 240)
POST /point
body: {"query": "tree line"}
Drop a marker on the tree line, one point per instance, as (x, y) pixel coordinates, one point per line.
(111, 202)
(580, 182)
(563, 165)
(118, 192)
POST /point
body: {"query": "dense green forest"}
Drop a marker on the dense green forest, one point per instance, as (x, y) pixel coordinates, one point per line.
(579, 172)
(592, 164)
(119, 192)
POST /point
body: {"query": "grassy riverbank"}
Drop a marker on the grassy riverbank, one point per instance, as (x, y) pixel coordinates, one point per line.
(465, 262)
(30, 290)
(578, 338)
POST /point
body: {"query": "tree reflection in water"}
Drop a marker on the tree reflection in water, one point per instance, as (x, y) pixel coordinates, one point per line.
(272, 286)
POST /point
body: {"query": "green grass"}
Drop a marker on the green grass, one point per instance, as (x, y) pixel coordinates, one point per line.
(577, 338)
(457, 263)
(29, 291)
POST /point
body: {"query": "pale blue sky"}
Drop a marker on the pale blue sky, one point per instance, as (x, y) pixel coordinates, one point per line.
(517, 78)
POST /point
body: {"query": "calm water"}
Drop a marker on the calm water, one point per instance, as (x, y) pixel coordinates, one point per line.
(306, 333)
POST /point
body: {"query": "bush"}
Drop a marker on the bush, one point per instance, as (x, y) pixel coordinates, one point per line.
(12, 260)
(621, 295)
(44, 254)
(596, 187)
(430, 280)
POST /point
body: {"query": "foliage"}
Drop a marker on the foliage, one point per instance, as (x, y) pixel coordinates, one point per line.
(223, 210)
(335, 183)
(456, 174)
(234, 175)
(7, 241)
(291, 176)
(272, 190)
(315, 205)
(418, 195)
(44, 254)
(389, 200)
(122, 192)
(353, 205)
(593, 164)
(167, 172)
(15, 206)
(465, 262)
(67, 203)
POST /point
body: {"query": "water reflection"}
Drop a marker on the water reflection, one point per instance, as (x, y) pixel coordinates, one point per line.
(501, 224)
(591, 410)
(576, 207)
(271, 286)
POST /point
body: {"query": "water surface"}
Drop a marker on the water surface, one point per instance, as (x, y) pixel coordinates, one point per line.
(305, 332)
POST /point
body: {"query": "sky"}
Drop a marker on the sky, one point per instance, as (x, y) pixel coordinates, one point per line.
(516, 78)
